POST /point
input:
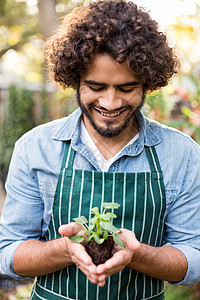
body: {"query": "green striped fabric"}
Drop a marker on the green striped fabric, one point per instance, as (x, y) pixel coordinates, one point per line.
(142, 207)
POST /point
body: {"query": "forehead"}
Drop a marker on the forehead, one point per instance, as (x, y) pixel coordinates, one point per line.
(105, 69)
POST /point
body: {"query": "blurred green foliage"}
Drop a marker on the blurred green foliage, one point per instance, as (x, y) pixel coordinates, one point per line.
(178, 293)
(26, 109)
(18, 120)
(176, 108)
(2, 7)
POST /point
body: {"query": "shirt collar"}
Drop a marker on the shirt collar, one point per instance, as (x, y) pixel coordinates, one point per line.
(147, 135)
(68, 129)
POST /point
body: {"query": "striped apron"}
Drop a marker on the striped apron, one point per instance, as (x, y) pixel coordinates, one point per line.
(142, 207)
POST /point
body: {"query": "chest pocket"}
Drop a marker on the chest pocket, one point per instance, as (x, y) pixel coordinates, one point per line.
(171, 194)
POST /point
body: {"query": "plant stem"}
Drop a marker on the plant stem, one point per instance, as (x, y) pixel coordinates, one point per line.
(98, 226)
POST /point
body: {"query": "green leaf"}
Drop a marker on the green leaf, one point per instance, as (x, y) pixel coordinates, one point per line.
(110, 205)
(93, 220)
(81, 220)
(105, 235)
(83, 232)
(89, 238)
(91, 227)
(76, 238)
(111, 215)
(96, 238)
(105, 217)
(95, 211)
(118, 240)
(101, 241)
(108, 226)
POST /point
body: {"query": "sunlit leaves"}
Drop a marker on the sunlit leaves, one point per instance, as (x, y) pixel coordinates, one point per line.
(100, 227)
(118, 240)
(81, 220)
(76, 238)
(110, 205)
(108, 226)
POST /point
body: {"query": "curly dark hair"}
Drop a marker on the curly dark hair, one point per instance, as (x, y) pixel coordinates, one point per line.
(115, 27)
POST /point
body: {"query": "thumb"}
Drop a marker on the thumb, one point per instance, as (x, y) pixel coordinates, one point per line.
(129, 239)
(70, 229)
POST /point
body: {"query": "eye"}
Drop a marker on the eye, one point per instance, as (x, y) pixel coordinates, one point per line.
(127, 89)
(96, 88)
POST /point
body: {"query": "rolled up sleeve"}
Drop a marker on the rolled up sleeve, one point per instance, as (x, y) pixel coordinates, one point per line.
(23, 210)
(182, 225)
(193, 258)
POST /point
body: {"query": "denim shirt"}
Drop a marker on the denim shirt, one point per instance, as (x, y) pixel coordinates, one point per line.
(34, 172)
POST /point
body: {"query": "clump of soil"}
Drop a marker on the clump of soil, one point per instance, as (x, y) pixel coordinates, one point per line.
(99, 253)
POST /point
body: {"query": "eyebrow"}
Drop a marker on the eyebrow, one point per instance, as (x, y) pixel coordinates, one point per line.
(132, 83)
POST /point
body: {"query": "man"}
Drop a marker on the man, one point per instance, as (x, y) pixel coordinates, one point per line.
(112, 54)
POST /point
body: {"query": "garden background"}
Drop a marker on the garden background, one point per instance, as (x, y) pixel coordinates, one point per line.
(28, 99)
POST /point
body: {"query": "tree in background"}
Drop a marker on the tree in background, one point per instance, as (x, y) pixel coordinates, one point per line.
(178, 105)
(24, 24)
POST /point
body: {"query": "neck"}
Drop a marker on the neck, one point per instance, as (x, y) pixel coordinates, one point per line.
(111, 146)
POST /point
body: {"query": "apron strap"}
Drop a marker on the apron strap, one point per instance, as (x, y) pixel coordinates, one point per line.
(151, 153)
(68, 157)
(153, 159)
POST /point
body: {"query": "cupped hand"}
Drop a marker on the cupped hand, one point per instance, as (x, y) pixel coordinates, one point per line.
(98, 274)
(121, 257)
(78, 254)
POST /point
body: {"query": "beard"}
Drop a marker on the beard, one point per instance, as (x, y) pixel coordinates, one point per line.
(110, 131)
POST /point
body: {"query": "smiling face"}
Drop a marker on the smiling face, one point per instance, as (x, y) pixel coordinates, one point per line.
(109, 95)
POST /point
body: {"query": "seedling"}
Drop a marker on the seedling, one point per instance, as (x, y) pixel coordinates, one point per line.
(100, 226)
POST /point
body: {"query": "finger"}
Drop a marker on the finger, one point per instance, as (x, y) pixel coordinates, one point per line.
(92, 276)
(79, 253)
(121, 257)
(102, 278)
(129, 238)
(116, 263)
(83, 261)
(86, 266)
(101, 283)
(70, 229)
(109, 272)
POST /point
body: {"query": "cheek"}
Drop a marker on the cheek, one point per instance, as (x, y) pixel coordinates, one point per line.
(134, 99)
(86, 96)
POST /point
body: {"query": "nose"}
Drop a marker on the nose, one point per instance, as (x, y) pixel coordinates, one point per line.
(110, 100)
